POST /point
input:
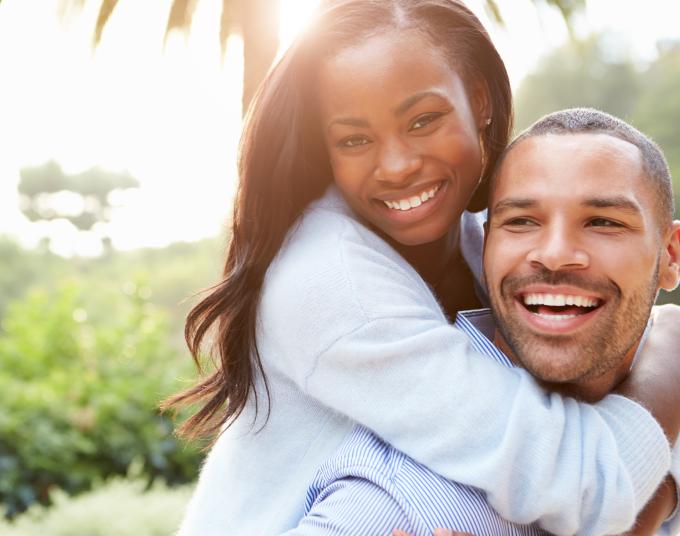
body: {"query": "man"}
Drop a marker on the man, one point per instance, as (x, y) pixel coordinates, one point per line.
(580, 239)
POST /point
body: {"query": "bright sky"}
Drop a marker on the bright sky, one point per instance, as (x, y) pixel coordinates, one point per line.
(171, 117)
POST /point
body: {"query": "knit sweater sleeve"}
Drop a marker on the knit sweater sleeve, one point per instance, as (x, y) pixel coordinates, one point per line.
(353, 325)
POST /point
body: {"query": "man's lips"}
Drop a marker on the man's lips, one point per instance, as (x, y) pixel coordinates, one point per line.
(557, 309)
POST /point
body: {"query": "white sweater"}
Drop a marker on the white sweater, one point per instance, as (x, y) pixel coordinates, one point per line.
(349, 332)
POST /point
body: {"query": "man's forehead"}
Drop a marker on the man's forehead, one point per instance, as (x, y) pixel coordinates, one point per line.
(571, 164)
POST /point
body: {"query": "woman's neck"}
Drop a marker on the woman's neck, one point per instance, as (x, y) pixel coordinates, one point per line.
(431, 260)
(442, 266)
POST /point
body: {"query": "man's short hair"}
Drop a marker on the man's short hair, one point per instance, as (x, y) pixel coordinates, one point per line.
(591, 121)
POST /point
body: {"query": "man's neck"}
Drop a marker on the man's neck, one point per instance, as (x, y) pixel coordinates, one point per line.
(589, 389)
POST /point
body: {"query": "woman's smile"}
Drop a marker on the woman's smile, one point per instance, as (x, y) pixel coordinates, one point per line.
(405, 208)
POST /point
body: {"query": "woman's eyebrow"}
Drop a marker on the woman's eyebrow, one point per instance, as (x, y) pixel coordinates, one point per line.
(399, 110)
(349, 121)
(413, 99)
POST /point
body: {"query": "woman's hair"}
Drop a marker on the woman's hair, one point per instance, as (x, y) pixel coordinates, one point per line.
(283, 166)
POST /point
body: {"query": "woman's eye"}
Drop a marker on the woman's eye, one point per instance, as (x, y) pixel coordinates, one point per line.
(424, 120)
(353, 141)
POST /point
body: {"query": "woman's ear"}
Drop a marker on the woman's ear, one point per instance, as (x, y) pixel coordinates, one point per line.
(481, 103)
(669, 265)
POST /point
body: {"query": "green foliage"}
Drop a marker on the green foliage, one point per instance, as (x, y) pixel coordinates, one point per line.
(79, 396)
(119, 507)
(168, 277)
(578, 74)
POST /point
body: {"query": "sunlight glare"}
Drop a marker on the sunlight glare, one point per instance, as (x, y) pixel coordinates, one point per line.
(294, 14)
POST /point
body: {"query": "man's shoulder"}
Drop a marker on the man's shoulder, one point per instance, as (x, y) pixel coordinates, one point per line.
(363, 454)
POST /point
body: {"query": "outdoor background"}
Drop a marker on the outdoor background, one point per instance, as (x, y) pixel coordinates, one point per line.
(118, 129)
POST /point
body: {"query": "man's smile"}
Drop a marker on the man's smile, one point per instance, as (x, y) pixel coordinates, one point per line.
(557, 310)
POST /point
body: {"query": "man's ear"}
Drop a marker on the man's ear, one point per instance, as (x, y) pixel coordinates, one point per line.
(669, 266)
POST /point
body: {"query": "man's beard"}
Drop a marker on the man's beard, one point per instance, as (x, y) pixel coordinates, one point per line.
(589, 353)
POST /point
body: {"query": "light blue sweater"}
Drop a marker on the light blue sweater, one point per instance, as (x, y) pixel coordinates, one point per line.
(349, 332)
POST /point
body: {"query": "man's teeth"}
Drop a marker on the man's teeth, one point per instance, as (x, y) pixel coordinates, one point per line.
(413, 201)
(558, 300)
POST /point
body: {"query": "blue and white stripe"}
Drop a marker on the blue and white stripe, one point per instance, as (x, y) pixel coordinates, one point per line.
(370, 488)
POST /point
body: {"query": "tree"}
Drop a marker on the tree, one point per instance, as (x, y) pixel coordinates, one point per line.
(257, 22)
(43, 189)
(580, 73)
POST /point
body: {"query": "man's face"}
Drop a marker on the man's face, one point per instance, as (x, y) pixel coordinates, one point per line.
(573, 254)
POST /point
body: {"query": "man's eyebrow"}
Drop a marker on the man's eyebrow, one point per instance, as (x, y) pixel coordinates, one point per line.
(513, 202)
(415, 98)
(618, 202)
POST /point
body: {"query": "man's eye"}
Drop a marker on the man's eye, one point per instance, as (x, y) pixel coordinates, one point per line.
(519, 222)
(353, 141)
(604, 222)
(424, 120)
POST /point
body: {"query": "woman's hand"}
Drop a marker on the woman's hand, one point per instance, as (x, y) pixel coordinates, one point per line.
(654, 380)
(657, 509)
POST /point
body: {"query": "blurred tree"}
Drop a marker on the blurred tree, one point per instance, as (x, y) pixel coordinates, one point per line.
(257, 21)
(658, 109)
(580, 73)
(47, 193)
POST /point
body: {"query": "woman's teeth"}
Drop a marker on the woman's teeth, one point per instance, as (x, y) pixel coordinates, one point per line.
(413, 201)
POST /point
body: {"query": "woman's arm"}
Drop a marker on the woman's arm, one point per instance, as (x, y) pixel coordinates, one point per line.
(652, 381)
(355, 327)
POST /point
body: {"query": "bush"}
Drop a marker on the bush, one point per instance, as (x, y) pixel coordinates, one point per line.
(79, 398)
(120, 507)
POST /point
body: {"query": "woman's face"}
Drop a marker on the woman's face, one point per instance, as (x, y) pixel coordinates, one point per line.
(402, 134)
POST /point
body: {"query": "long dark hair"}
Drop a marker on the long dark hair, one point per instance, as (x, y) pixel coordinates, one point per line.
(283, 166)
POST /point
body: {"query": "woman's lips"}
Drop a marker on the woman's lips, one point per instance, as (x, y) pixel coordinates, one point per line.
(416, 211)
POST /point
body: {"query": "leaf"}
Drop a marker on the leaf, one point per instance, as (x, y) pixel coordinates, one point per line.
(105, 11)
(495, 12)
(231, 13)
(181, 15)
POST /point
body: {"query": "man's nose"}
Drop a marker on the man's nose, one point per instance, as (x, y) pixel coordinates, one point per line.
(558, 249)
(398, 161)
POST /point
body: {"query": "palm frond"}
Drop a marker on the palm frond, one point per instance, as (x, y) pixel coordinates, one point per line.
(181, 15)
(495, 12)
(105, 11)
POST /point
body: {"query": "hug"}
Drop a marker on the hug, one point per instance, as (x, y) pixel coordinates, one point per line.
(422, 325)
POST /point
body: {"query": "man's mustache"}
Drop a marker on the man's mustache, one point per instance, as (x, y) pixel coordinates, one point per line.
(601, 286)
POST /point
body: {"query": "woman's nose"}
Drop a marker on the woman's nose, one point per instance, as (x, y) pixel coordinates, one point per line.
(398, 162)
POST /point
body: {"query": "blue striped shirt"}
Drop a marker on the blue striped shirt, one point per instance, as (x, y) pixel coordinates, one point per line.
(369, 488)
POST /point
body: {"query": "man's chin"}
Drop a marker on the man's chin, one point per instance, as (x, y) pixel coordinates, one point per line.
(560, 369)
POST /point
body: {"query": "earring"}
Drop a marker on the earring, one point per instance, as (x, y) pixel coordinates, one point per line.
(487, 122)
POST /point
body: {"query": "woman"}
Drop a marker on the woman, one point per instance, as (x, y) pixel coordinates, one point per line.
(345, 260)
